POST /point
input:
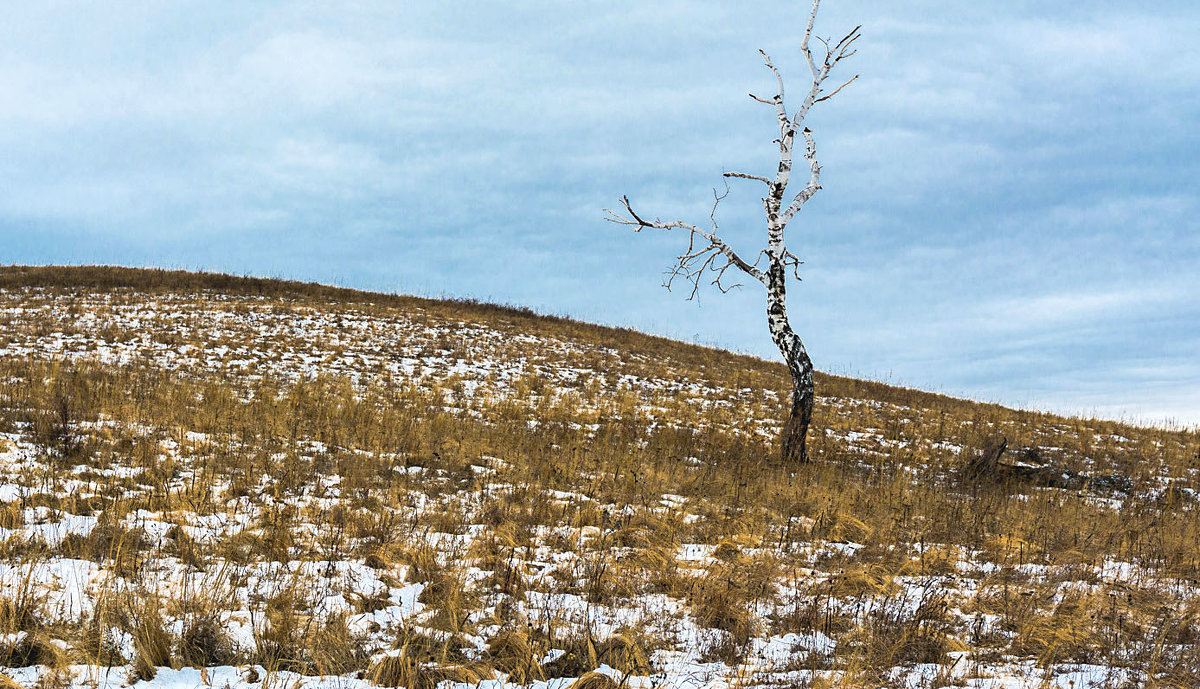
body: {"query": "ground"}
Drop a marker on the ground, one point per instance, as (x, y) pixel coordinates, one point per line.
(207, 480)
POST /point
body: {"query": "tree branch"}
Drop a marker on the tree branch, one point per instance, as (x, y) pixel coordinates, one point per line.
(814, 179)
(835, 91)
(699, 257)
(780, 110)
(812, 19)
(742, 175)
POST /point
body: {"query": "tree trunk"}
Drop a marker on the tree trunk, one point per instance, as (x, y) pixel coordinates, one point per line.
(793, 440)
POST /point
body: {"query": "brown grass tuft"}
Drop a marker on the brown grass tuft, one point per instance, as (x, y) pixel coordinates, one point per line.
(400, 670)
(594, 680)
(517, 654)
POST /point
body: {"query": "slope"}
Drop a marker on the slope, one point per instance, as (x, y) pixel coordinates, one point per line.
(206, 471)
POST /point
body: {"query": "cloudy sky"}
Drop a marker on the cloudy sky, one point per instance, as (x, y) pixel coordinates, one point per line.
(1011, 189)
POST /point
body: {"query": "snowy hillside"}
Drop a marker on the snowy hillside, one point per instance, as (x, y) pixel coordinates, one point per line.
(207, 480)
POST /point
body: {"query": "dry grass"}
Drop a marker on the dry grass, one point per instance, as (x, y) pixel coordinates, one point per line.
(594, 680)
(591, 479)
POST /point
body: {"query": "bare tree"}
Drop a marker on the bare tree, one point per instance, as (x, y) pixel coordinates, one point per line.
(708, 255)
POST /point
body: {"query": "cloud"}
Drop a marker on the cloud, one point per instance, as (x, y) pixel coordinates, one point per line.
(1009, 207)
(1030, 313)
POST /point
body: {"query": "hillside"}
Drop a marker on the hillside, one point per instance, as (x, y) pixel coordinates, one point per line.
(284, 482)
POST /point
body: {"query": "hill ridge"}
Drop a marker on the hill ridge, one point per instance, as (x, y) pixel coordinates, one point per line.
(108, 277)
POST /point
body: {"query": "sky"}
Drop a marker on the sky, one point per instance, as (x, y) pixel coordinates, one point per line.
(1011, 189)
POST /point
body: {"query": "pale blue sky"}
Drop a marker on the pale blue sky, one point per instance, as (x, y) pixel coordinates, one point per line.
(1011, 189)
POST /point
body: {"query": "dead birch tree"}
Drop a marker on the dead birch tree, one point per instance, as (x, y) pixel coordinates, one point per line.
(708, 255)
